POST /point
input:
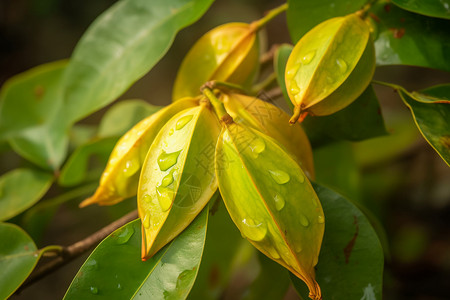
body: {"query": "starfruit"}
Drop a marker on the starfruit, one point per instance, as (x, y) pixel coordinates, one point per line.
(121, 175)
(177, 178)
(330, 66)
(270, 200)
(229, 52)
(273, 121)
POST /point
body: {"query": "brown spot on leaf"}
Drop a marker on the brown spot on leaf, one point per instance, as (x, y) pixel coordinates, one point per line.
(397, 32)
(387, 8)
(374, 17)
(26, 247)
(349, 248)
(445, 141)
(39, 92)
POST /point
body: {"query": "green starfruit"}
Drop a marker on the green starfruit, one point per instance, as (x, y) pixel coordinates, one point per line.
(330, 66)
(229, 52)
(272, 121)
(177, 178)
(270, 200)
(121, 175)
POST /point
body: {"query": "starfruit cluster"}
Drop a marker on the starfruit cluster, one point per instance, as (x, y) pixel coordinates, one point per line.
(176, 160)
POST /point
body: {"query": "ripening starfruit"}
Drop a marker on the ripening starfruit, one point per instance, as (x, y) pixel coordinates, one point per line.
(229, 52)
(330, 66)
(177, 178)
(273, 121)
(270, 200)
(121, 175)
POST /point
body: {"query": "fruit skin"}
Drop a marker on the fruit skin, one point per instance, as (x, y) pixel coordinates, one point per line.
(271, 120)
(229, 52)
(171, 195)
(330, 66)
(121, 175)
(270, 200)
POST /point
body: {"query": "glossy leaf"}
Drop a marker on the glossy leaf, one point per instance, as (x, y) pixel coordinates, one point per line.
(14, 198)
(274, 122)
(303, 15)
(406, 38)
(123, 44)
(432, 8)
(270, 200)
(229, 52)
(121, 176)
(359, 121)
(18, 257)
(177, 178)
(351, 252)
(114, 270)
(76, 168)
(279, 65)
(432, 114)
(330, 66)
(31, 116)
(122, 116)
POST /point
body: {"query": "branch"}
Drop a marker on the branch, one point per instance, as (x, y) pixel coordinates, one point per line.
(71, 252)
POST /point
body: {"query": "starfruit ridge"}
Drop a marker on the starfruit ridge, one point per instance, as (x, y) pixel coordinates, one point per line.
(177, 178)
(276, 208)
(121, 175)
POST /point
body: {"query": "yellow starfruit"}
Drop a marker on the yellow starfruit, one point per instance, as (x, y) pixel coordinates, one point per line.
(229, 52)
(330, 66)
(177, 178)
(270, 200)
(121, 175)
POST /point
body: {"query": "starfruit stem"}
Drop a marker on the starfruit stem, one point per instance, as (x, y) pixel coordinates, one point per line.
(258, 24)
(296, 115)
(224, 86)
(264, 84)
(218, 106)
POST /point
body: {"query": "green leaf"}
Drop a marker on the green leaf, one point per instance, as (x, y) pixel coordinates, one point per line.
(31, 115)
(279, 65)
(20, 189)
(18, 257)
(409, 39)
(431, 8)
(351, 252)
(123, 44)
(359, 121)
(76, 168)
(432, 114)
(303, 15)
(114, 270)
(124, 115)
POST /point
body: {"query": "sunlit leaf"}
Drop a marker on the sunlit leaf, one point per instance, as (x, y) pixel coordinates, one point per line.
(20, 189)
(351, 253)
(31, 116)
(115, 271)
(432, 8)
(123, 44)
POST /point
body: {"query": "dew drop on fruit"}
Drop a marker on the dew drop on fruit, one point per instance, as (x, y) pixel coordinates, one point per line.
(279, 176)
(168, 179)
(167, 160)
(341, 64)
(131, 167)
(294, 89)
(320, 219)
(146, 221)
(308, 57)
(292, 72)
(273, 253)
(183, 121)
(171, 131)
(146, 198)
(303, 220)
(254, 230)
(164, 198)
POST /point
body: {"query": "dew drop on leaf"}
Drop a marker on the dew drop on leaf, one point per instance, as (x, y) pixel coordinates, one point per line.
(146, 221)
(167, 160)
(125, 234)
(94, 290)
(183, 121)
(308, 57)
(303, 220)
(320, 219)
(171, 131)
(273, 253)
(279, 202)
(164, 198)
(292, 72)
(257, 146)
(279, 176)
(294, 89)
(254, 230)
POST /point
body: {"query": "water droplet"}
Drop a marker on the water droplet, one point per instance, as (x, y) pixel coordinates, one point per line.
(183, 121)
(94, 290)
(301, 178)
(279, 176)
(297, 247)
(146, 221)
(255, 231)
(257, 146)
(320, 219)
(168, 179)
(273, 253)
(303, 220)
(294, 89)
(125, 234)
(308, 57)
(292, 72)
(341, 64)
(119, 286)
(171, 131)
(131, 167)
(164, 197)
(147, 198)
(279, 202)
(91, 265)
(167, 160)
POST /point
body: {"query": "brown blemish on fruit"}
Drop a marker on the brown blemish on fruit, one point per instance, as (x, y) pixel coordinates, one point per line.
(374, 17)
(349, 248)
(397, 32)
